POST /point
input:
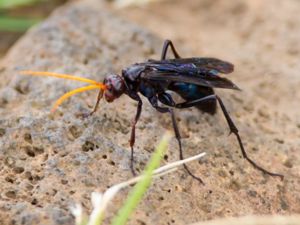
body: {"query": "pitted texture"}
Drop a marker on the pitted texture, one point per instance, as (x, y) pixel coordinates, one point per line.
(50, 161)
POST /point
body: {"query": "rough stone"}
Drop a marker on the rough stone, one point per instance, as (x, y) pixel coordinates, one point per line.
(50, 161)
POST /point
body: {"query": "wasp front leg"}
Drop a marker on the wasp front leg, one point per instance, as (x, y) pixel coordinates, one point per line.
(137, 98)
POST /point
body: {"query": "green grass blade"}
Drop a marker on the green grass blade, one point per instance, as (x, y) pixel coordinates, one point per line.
(11, 24)
(141, 187)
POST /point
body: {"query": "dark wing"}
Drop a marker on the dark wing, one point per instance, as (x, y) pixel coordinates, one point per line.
(199, 71)
(208, 64)
(205, 65)
(207, 81)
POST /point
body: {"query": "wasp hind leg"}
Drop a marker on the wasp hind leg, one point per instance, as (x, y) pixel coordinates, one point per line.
(232, 127)
(164, 52)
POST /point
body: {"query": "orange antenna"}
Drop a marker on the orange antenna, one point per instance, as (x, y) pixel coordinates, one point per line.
(94, 84)
(63, 76)
(70, 93)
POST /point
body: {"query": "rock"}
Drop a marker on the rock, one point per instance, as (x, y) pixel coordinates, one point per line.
(50, 161)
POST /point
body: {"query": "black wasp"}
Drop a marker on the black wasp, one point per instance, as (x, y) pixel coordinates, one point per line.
(192, 78)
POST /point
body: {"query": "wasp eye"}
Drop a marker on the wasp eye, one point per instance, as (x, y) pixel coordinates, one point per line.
(115, 87)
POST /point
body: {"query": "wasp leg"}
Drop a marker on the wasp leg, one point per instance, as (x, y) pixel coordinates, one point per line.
(154, 103)
(166, 99)
(86, 115)
(100, 95)
(134, 122)
(232, 128)
(164, 52)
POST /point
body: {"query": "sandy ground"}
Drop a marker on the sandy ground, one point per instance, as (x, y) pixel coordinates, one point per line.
(52, 161)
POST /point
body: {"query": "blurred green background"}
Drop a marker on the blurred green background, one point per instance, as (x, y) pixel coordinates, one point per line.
(16, 16)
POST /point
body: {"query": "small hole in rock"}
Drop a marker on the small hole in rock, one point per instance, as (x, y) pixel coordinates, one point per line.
(166, 157)
(29, 151)
(64, 182)
(38, 150)
(112, 163)
(88, 146)
(27, 138)
(104, 156)
(75, 131)
(18, 169)
(34, 201)
(140, 222)
(11, 194)
(28, 175)
(161, 198)
(37, 177)
(9, 179)
(142, 164)
(29, 187)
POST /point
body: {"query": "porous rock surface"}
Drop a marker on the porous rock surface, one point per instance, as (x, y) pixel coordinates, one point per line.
(51, 161)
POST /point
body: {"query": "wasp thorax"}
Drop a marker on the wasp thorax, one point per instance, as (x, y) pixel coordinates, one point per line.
(114, 87)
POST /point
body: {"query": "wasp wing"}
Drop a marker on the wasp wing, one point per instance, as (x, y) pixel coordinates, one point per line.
(207, 81)
(204, 66)
(213, 64)
(199, 71)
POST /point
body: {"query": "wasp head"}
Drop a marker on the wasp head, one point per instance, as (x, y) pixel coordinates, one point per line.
(115, 87)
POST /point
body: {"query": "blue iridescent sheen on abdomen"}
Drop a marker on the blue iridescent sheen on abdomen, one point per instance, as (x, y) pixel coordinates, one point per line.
(187, 91)
(192, 92)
